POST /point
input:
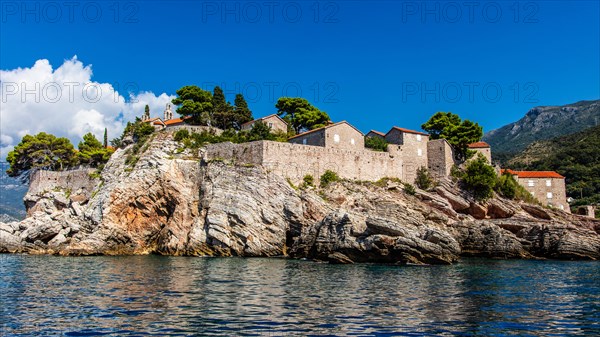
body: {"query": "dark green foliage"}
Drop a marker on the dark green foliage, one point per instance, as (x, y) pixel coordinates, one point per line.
(105, 137)
(116, 142)
(300, 114)
(194, 103)
(376, 143)
(260, 131)
(424, 180)
(92, 152)
(459, 133)
(222, 115)
(409, 189)
(328, 177)
(577, 157)
(507, 186)
(42, 151)
(479, 178)
(181, 135)
(241, 110)
(308, 181)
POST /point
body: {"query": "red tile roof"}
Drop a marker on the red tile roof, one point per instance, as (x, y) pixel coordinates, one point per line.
(478, 145)
(407, 131)
(534, 174)
(324, 127)
(174, 121)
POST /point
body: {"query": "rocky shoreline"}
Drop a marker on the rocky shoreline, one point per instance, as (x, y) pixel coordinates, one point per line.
(175, 204)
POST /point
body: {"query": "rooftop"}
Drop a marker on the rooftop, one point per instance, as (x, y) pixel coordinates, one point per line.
(323, 128)
(407, 131)
(265, 117)
(478, 145)
(534, 174)
(378, 133)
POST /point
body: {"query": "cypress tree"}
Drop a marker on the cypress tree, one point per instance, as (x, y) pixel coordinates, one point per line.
(242, 112)
(106, 137)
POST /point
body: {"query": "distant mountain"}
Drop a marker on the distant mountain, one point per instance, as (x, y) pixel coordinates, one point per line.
(12, 192)
(543, 122)
(575, 156)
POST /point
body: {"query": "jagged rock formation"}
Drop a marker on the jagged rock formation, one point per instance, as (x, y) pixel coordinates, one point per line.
(173, 203)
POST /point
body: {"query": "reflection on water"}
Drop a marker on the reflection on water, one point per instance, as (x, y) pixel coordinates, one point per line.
(178, 296)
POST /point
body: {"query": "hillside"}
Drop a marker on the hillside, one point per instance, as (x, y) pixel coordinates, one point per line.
(576, 156)
(12, 192)
(542, 123)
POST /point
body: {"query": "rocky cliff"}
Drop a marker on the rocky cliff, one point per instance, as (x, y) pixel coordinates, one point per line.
(173, 203)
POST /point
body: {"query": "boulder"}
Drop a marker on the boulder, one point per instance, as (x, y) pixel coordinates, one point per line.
(477, 211)
(536, 211)
(497, 209)
(457, 202)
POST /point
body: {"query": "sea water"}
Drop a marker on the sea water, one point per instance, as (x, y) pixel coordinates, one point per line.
(192, 296)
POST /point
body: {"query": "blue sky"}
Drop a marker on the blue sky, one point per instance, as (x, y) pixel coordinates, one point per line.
(373, 63)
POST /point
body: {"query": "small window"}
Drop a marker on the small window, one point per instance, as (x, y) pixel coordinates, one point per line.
(304, 141)
(270, 125)
(548, 182)
(530, 183)
(562, 207)
(336, 138)
(532, 193)
(418, 138)
(419, 152)
(352, 141)
(549, 195)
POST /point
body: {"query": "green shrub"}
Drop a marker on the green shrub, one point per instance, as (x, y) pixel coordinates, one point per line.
(480, 178)
(507, 186)
(181, 135)
(329, 177)
(424, 180)
(409, 189)
(376, 143)
(308, 180)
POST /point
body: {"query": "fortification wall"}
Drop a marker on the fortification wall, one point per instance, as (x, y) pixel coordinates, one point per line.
(194, 128)
(73, 180)
(294, 161)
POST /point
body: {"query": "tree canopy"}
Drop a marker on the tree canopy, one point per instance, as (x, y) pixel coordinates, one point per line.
(195, 103)
(43, 151)
(480, 178)
(92, 152)
(242, 112)
(300, 114)
(459, 133)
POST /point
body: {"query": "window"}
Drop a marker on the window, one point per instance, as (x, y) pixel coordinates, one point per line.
(530, 183)
(271, 125)
(352, 141)
(549, 195)
(304, 141)
(548, 182)
(418, 138)
(532, 193)
(562, 207)
(419, 152)
(336, 138)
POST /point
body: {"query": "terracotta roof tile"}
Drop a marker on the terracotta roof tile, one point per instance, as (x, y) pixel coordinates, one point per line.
(174, 121)
(534, 174)
(478, 145)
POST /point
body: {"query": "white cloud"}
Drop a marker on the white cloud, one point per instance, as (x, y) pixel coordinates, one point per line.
(66, 102)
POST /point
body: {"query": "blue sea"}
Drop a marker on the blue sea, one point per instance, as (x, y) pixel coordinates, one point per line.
(191, 296)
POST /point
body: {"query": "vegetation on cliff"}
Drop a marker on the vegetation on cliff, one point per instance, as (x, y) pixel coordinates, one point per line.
(48, 152)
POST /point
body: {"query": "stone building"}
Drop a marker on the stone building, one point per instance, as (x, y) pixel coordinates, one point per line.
(275, 122)
(440, 158)
(483, 148)
(411, 147)
(546, 186)
(341, 135)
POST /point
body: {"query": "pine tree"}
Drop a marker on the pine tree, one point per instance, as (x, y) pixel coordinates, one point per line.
(222, 113)
(242, 112)
(106, 137)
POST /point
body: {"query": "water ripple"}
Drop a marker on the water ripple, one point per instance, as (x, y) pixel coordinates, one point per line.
(178, 296)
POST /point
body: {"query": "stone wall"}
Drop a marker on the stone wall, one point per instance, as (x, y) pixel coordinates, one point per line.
(340, 135)
(440, 158)
(485, 151)
(539, 188)
(74, 180)
(194, 128)
(294, 161)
